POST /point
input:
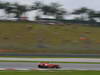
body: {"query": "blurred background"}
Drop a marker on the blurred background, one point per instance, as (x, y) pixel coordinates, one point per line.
(65, 27)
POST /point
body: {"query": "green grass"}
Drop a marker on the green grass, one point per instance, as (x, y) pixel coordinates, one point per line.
(49, 72)
(27, 37)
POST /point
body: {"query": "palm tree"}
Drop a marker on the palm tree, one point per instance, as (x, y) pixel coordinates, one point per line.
(19, 10)
(54, 9)
(96, 15)
(8, 8)
(37, 5)
(92, 15)
(83, 12)
(2, 5)
(60, 14)
(46, 9)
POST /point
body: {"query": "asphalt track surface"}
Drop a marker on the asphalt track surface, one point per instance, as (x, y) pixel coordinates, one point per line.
(64, 66)
(52, 59)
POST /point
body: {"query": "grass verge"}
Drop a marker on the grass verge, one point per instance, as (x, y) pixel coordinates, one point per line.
(27, 37)
(70, 72)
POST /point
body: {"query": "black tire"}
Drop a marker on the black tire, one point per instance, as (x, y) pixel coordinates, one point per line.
(57, 67)
(40, 66)
(45, 66)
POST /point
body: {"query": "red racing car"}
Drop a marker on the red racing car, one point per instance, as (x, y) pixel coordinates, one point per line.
(47, 65)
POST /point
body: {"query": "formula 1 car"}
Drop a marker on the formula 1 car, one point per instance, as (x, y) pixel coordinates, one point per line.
(47, 65)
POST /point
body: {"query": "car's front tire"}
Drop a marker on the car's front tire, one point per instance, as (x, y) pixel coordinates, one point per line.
(57, 67)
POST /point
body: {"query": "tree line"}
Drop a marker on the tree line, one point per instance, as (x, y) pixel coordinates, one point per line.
(53, 9)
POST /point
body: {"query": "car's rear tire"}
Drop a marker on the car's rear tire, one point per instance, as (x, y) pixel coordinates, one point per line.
(40, 66)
